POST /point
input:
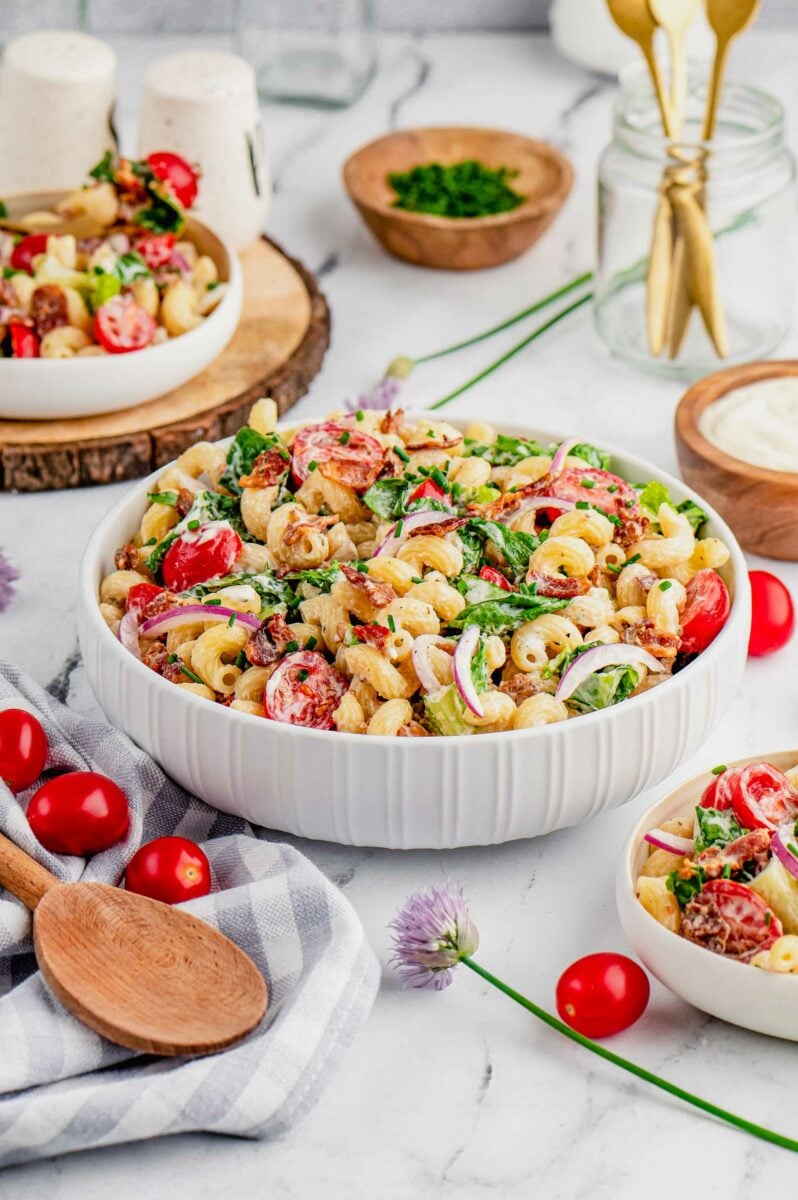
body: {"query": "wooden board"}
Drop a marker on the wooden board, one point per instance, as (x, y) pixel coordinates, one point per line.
(277, 350)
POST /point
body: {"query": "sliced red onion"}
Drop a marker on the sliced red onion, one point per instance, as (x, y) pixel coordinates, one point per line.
(671, 842)
(180, 263)
(119, 243)
(128, 632)
(563, 451)
(612, 655)
(173, 618)
(461, 669)
(540, 502)
(421, 664)
(785, 855)
(415, 520)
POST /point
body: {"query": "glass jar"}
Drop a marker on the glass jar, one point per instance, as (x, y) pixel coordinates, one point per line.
(319, 52)
(744, 179)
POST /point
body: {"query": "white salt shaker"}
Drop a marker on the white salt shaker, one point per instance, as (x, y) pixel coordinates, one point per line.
(57, 96)
(203, 104)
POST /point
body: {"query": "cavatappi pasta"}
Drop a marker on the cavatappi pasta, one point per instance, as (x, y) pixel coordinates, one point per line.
(376, 576)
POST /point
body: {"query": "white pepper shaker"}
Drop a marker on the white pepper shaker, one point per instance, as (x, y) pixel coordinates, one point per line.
(203, 104)
(57, 97)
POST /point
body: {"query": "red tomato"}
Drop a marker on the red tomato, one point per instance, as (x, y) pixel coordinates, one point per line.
(169, 869)
(140, 595)
(121, 325)
(428, 490)
(593, 485)
(304, 690)
(155, 248)
(602, 994)
(355, 459)
(753, 925)
(494, 576)
(717, 793)
(201, 554)
(80, 813)
(25, 251)
(23, 748)
(177, 173)
(772, 616)
(25, 342)
(705, 611)
(762, 797)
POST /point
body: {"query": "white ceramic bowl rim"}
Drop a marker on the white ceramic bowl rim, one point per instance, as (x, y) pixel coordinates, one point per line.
(682, 679)
(647, 822)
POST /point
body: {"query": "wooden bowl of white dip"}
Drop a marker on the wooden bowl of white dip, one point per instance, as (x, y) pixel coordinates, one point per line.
(737, 442)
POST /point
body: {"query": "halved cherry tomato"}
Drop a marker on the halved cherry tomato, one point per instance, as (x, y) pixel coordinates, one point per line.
(23, 748)
(715, 796)
(177, 173)
(762, 797)
(170, 869)
(597, 487)
(80, 813)
(26, 250)
(140, 595)
(155, 248)
(772, 615)
(25, 342)
(602, 994)
(493, 576)
(355, 459)
(201, 554)
(121, 325)
(304, 690)
(752, 924)
(705, 611)
(427, 490)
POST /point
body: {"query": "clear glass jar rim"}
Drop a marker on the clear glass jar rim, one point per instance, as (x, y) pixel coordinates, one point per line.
(636, 87)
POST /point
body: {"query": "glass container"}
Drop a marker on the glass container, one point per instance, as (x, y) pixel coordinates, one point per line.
(320, 52)
(745, 183)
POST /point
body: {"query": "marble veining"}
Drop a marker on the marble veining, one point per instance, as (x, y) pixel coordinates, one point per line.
(460, 1094)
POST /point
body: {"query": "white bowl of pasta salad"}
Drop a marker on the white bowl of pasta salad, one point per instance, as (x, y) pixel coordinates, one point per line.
(388, 629)
(114, 297)
(707, 892)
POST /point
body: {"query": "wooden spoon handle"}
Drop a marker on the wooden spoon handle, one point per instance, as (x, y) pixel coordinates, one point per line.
(22, 875)
(658, 280)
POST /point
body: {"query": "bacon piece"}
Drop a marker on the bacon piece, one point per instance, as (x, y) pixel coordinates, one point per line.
(520, 687)
(703, 923)
(156, 657)
(413, 729)
(269, 641)
(185, 499)
(632, 528)
(163, 602)
(505, 504)
(267, 470)
(295, 531)
(48, 308)
(356, 473)
(440, 528)
(661, 645)
(559, 586)
(393, 421)
(379, 594)
(392, 465)
(438, 441)
(751, 847)
(372, 635)
(126, 558)
(128, 181)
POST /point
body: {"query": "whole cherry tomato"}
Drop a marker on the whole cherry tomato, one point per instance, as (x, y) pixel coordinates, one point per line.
(25, 342)
(177, 173)
(200, 554)
(491, 575)
(23, 748)
(602, 994)
(705, 611)
(80, 813)
(26, 250)
(121, 325)
(772, 615)
(155, 248)
(170, 869)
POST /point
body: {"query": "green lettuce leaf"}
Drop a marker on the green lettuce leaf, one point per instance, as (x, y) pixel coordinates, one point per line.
(653, 494)
(591, 455)
(604, 688)
(716, 827)
(386, 497)
(515, 546)
(507, 613)
(242, 452)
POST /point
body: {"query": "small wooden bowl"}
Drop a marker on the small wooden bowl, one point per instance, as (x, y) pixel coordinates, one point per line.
(759, 504)
(544, 177)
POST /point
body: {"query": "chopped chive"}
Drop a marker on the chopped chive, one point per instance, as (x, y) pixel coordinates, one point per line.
(768, 914)
(457, 490)
(211, 603)
(719, 769)
(311, 643)
(193, 524)
(402, 453)
(344, 438)
(172, 658)
(635, 558)
(666, 583)
(302, 675)
(613, 488)
(291, 646)
(431, 433)
(613, 519)
(359, 415)
(727, 875)
(151, 541)
(399, 527)
(312, 464)
(169, 498)
(391, 623)
(793, 849)
(233, 619)
(631, 503)
(190, 674)
(587, 483)
(284, 455)
(416, 579)
(441, 480)
(241, 661)
(582, 504)
(616, 568)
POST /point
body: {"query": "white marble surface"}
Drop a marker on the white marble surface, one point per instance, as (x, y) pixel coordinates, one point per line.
(461, 1094)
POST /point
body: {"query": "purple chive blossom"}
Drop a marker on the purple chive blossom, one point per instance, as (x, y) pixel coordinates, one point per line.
(380, 397)
(8, 574)
(431, 934)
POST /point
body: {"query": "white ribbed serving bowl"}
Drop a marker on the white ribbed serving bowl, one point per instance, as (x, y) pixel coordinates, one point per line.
(409, 793)
(735, 992)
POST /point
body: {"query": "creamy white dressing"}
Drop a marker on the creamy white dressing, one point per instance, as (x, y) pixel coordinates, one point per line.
(205, 533)
(757, 424)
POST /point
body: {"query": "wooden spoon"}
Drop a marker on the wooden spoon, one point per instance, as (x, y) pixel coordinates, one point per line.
(141, 973)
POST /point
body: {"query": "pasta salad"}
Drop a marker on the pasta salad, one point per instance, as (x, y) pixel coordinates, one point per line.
(125, 279)
(375, 575)
(726, 876)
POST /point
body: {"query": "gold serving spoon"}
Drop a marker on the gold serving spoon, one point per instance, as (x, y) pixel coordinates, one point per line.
(675, 17)
(633, 17)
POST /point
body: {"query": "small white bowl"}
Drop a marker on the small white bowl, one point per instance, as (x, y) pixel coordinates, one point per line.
(743, 995)
(410, 793)
(37, 389)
